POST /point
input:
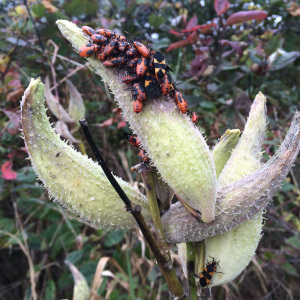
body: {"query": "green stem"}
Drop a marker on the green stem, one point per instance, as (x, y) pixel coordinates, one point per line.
(191, 251)
(166, 267)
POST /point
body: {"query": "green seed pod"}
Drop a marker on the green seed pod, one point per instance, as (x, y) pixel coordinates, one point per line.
(73, 179)
(175, 146)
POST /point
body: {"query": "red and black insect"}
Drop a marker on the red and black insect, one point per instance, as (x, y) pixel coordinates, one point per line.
(130, 79)
(160, 66)
(141, 67)
(132, 62)
(110, 47)
(137, 105)
(132, 140)
(181, 102)
(151, 86)
(138, 92)
(121, 46)
(88, 49)
(132, 52)
(142, 49)
(167, 84)
(205, 276)
(143, 156)
(114, 61)
(194, 117)
(106, 32)
(88, 30)
(99, 38)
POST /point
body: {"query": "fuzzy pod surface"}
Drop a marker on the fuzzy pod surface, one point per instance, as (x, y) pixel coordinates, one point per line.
(73, 179)
(175, 146)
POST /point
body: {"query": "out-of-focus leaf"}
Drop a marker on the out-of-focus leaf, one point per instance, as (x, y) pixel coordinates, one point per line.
(272, 45)
(172, 31)
(156, 20)
(221, 6)
(192, 22)
(81, 7)
(229, 83)
(81, 289)
(50, 290)
(235, 46)
(294, 9)
(178, 44)
(6, 171)
(113, 237)
(55, 106)
(14, 121)
(38, 10)
(161, 43)
(289, 268)
(293, 241)
(244, 16)
(199, 65)
(62, 129)
(281, 59)
(76, 108)
(51, 8)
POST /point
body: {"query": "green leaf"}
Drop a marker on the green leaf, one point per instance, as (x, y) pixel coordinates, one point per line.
(38, 10)
(155, 20)
(113, 237)
(50, 290)
(75, 256)
(293, 241)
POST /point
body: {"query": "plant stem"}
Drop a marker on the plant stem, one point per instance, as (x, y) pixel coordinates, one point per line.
(163, 262)
(167, 268)
(191, 251)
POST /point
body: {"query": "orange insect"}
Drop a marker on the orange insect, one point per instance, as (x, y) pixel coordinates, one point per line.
(138, 92)
(141, 67)
(88, 49)
(142, 49)
(137, 106)
(88, 30)
(181, 102)
(194, 117)
(167, 84)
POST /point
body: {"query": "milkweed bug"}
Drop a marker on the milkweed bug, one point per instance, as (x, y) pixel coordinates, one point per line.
(142, 49)
(143, 156)
(132, 51)
(166, 85)
(151, 60)
(130, 78)
(137, 106)
(151, 87)
(205, 276)
(121, 46)
(194, 117)
(99, 38)
(88, 49)
(106, 32)
(114, 61)
(181, 102)
(141, 67)
(132, 62)
(160, 66)
(132, 140)
(110, 47)
(138, 92)
(88, 30)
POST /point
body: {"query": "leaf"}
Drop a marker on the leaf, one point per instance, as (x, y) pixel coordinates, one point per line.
(155, 20)
(38, 10)
(221, 6)
(192, 22)
(113, 237)
(281, 59)
(244, 16)
(76, 108)
(50, 290)
(235, 46)
(54, 105)
(6, 170)
(172, 31)
(178, 44)
(229, 83)
(81, 289)
(62, 129)
(14, 121)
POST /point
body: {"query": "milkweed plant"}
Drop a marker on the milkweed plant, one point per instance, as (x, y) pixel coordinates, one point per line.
(228, 185)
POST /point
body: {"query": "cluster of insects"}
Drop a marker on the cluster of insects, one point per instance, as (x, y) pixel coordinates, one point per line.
(147, 71)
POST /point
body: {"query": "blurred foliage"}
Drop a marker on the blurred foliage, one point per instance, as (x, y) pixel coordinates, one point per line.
(219, 69)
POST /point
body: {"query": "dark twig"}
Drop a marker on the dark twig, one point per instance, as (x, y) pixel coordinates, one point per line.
(36, 30)
(163, 263)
